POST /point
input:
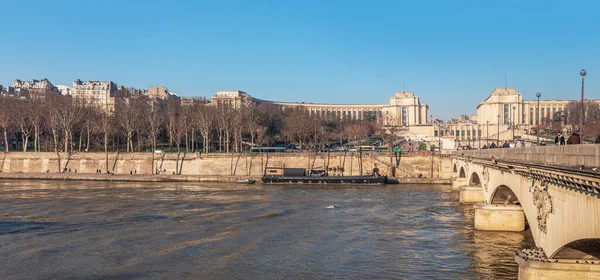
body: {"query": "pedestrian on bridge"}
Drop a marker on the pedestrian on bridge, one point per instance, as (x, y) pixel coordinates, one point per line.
(574, 139)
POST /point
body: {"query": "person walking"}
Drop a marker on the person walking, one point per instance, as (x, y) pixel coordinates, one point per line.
(574, 139)
(561, 139)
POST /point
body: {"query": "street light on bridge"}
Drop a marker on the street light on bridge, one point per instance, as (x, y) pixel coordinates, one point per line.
(537, 118)
(487, 133)
(498, 130)
(582, 73)
(479, 135)
(512, 123)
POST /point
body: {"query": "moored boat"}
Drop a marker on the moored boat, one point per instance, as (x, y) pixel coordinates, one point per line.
(246, 181)
(277, 175)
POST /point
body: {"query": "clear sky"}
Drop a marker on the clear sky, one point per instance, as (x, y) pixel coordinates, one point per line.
(452, 54)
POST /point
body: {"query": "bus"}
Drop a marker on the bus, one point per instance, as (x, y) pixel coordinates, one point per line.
(267, 150)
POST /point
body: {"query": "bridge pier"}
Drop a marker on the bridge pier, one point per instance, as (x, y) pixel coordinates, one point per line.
(499, 217)
(458, 182)
(471, 194)
(552, 269)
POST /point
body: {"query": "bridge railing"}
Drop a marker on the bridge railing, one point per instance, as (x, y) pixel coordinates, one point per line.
(566, 155)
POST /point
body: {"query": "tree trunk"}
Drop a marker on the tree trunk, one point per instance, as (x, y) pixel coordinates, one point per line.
(106, 149)
(129, 142)
(227, 141)
(250, 165)
(236, 164)
(187, 149)
(55, 137)
(87, 144)
(153, 152)
(193, 147)
(80, 140)
(5, 141)
(344, 163)
(35, 138)
(66, 139)
(24, 140)
(360, 163)
(177, 160)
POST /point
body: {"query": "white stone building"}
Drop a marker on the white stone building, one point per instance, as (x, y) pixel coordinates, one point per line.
(95, 93)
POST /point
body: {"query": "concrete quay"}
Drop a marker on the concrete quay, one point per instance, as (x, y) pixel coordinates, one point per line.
(122, 177)
(174, 178)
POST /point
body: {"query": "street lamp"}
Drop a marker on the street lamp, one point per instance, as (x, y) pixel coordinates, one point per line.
(440, 136)
(479, 135)
(537, 118)
(498, 130)
(487, 133)
(582, 73)
(513, 121)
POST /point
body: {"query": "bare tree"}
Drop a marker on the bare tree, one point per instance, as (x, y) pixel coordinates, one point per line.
(224, 122)
(54, 123)
(6, 118)
(36, 118)
(299, 126)
(271, 117)
(104, 121)
(20, 112)
(126, 117)
(154, 122)
(204, 117)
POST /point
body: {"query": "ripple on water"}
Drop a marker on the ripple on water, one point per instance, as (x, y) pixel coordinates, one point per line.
(215, 231)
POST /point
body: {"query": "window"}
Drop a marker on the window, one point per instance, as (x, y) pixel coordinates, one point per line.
(435, 133)
(404, 118)
(530, 115)
(506, 114)
(543, 115)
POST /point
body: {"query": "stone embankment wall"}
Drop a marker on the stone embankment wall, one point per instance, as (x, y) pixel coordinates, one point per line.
(216, 164)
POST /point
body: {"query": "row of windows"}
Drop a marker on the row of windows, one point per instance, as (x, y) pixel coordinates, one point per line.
(463, 133)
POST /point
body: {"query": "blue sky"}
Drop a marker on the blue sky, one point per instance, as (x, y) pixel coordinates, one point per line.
(452, 54)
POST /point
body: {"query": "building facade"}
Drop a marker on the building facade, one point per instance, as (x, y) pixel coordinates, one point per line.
(155, 92)
(96, 93)
(504, 115)
(34, 85)
(404, 108)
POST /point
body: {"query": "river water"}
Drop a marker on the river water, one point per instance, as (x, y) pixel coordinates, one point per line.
(108, 230)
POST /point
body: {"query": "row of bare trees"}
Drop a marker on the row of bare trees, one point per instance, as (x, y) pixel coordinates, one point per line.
(63, 124)
(571, 117)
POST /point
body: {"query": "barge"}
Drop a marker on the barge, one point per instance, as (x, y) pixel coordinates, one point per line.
(279, 175)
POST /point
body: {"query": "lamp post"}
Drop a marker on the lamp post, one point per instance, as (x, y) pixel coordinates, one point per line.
(582, 73)
(440, 136)
(487, 133)
(512, 123)
(537, 118)
(498, 131)
(479, 135)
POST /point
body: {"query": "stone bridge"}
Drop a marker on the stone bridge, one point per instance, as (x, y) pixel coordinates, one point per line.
(560, 203)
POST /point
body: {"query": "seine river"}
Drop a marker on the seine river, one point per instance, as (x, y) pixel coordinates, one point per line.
(108, 230)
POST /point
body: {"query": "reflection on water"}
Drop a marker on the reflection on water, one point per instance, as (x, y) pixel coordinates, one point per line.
(69, 229)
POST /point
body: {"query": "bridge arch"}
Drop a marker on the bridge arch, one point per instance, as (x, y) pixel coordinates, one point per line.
(462, 173)
(582, 249)
(475, 181)
(504, 195)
